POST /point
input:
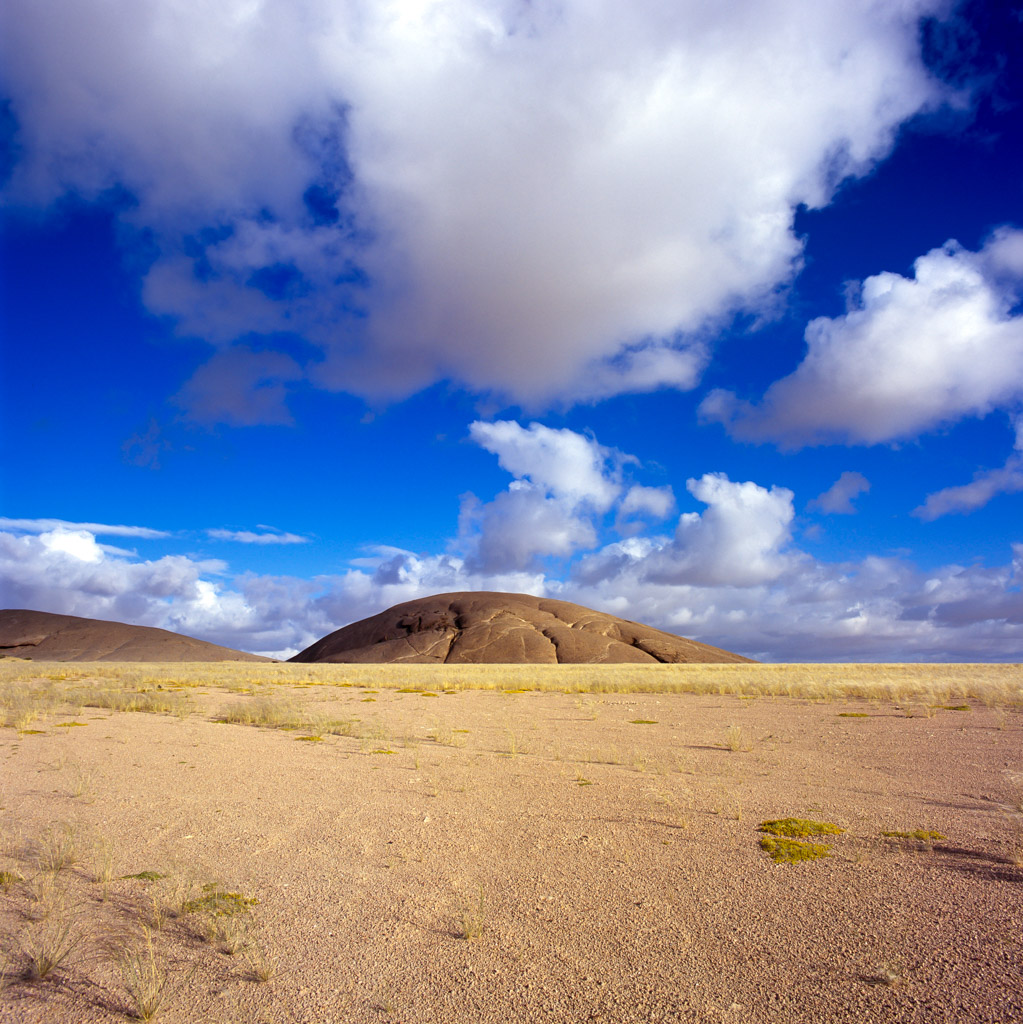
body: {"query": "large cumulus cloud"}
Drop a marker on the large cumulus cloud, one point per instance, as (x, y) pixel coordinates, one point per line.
(544, 200)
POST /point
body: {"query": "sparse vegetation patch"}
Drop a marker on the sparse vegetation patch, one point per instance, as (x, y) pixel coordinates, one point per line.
(218, 902)
(790, 851)
(799, 828)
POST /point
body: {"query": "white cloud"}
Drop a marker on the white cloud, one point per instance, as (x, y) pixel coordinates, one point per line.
(102, 529)
(543, 200)
(1007, 479)
(66, 571)
(77, 545)
(872, 610)
(655, 502)
(564, 486)
(838, 498)
(520, 526)
(738, 541)
(251, 537)
(563, 482)
(561, 462)
(908, 356)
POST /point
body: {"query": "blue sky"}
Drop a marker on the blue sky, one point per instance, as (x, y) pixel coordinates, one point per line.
(703, 315)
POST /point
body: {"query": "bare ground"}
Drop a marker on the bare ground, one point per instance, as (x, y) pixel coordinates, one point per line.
(601, 851)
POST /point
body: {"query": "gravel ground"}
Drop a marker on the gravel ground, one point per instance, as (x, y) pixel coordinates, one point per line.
(601, 853)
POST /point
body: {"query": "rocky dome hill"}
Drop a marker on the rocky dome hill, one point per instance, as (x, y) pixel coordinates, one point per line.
(493, 628)
(43, 636)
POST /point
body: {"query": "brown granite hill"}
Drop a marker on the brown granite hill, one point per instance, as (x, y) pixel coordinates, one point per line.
(42, 636)
(493, 628)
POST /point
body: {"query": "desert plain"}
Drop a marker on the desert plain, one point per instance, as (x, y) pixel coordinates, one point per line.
(257, 843)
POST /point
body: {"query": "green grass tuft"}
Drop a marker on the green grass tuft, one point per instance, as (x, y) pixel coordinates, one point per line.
(925, 835)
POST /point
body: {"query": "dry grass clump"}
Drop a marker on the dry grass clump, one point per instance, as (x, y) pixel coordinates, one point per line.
(57, 849)
(472, 918)
(145, 979)
(282, 713)
(9, 879)
(152, 701)
(103, 860)
(29, 701)
(54, 939)
(736, 740)
(920, 834)
(263, 963)
(268, 712)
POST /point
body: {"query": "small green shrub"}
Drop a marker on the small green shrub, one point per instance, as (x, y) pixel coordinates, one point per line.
(799, 828)
(219, 902)
(788, 851)
(924, 835)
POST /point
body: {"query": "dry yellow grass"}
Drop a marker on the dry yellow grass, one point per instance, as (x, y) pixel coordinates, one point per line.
(28, 689)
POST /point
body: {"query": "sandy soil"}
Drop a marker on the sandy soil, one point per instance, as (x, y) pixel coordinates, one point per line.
(612, 840)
